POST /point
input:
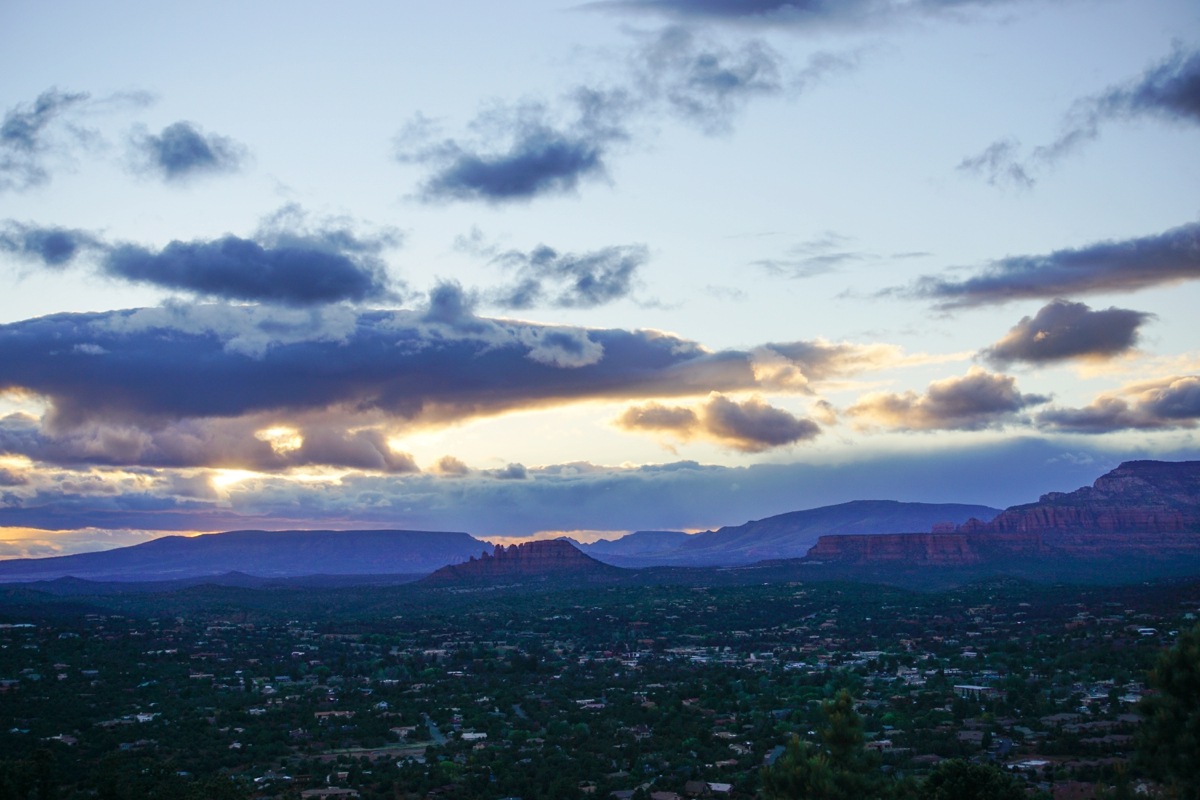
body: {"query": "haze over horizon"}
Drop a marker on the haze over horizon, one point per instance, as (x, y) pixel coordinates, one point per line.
(586, 267)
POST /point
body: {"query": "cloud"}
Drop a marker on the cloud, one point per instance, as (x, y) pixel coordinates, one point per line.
(797, 14)
(288, 261)
(134, 373)
(1161, 404)
(703, 83)
(750, 426)
(182, 150)
(53, 246)
(233, 268)
(569, 280)
(31, 131)
(191, 443)
(1064, 330)
(818, 256)
(512, 472)
(976, 401)
(212, 385)
(999, 163)
(540, 155)
(1112, 266)
(675, 496)
(795, 366)
(35, 136)
(451, 467)
(1169, 90)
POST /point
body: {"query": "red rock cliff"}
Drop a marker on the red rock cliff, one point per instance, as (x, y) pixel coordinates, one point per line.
(1142, 508)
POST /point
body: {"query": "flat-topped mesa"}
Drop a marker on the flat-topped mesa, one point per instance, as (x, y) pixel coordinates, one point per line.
(549, 558)
(1136, 497)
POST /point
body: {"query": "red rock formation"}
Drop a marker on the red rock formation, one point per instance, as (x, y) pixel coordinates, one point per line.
(1148, 509)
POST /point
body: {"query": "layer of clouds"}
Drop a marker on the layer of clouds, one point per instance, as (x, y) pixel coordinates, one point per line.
(975, 401)
(750, 426)
(1161, 404)
(678, 496)
(1113, 266)
(1064, 330)
(192, 443)
(183, 150)
(545, 276)
(194, 385)
(1169, 90)
(288, 261)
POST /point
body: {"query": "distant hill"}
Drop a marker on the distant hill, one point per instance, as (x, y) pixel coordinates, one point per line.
(791, 535)
(267, 554)
(521, 563)
(638, 543)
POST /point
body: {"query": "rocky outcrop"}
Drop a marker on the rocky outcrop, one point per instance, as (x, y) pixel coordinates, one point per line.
(518, 562)
(1146, 510)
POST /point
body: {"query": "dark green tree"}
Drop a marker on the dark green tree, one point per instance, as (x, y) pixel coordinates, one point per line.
(841, 769)
(1169, 741)
(959, 780)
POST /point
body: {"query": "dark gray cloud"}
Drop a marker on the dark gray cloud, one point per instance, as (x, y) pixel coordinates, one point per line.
(287, 262)
(1064, 330)
(569, 280)
(181, 362)
(271, 388)
(1162, 404)
(1103, 267)
(52, 246)
(706, 84)
(540, 155)
(300, 273)
(750, 426)
(182, 150)
(976, 401)
(29, 132)
(797, 14)
(1169, 90)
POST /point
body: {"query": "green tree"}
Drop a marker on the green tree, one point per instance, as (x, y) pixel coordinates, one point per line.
(1169, 740)
(841, 769)
(959, 780)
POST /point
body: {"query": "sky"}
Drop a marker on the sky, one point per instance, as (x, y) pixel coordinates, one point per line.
(544, 267)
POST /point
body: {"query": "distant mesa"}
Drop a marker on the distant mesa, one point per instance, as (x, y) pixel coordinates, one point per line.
(268, 554)
(541, 560)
